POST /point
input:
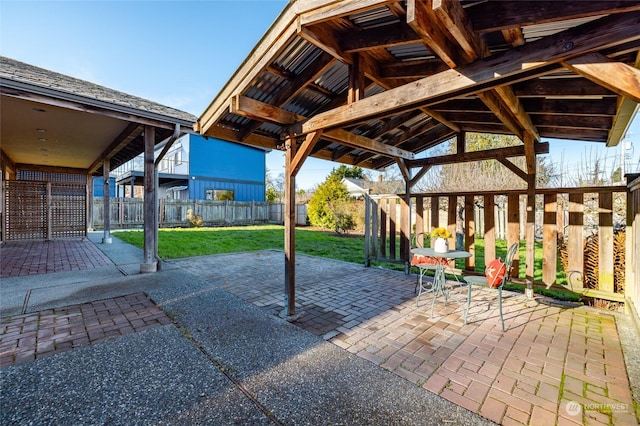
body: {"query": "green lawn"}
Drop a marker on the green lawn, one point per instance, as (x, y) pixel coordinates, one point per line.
(176, 243)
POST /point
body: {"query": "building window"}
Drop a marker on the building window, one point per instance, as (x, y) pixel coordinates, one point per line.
(178, 157)
(219, 194)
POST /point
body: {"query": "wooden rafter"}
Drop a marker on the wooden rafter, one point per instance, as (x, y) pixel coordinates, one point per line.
(132, 131)
(466, 157)
(538, 57)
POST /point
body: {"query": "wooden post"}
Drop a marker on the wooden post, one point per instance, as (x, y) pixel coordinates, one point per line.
(605, 246)
(149, 263)
(367, 230)
(106, 197)
(489, 229)
(452, 220)
(575, 242)
(405, 226)
(435, 214)
(392, 227)
(531, 226)
(289, 232)
(384, 220)
(549, 240)
(419, 215)
(469, 233)
(89, 203)
(513, 229)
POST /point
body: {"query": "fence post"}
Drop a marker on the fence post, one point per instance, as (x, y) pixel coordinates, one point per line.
(367, 229)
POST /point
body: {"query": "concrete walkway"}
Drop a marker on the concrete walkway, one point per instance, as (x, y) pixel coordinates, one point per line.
(361, 352)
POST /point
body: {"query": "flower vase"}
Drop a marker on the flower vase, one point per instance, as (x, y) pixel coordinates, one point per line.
(441, 245)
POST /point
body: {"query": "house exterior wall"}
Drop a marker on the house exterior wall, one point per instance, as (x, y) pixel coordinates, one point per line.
(219, 165)
(98, 187)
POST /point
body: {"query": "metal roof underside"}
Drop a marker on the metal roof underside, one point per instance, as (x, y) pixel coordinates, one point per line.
(535, 70)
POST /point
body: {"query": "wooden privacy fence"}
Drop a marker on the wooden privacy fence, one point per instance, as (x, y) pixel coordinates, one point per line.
(43, 210)
(129, 212)
(572, 214)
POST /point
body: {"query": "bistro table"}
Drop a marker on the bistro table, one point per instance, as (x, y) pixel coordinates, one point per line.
(439, 266)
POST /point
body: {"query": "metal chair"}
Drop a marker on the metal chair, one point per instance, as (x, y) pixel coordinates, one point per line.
(483, 282)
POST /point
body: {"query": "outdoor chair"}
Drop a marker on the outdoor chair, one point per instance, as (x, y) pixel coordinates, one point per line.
(483, 281)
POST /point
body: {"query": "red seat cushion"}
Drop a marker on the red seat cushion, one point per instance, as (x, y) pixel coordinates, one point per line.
(418, 259)
(494, 272)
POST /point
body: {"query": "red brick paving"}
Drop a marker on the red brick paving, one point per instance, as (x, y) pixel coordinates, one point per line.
(22, 258)
(26, 337)
(548, 359)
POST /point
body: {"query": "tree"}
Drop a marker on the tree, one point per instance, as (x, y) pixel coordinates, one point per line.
(328, 194)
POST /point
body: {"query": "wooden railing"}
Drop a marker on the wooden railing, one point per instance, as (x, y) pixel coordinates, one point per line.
(573, 214)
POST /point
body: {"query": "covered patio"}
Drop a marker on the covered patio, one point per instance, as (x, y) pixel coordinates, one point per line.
(379, 83)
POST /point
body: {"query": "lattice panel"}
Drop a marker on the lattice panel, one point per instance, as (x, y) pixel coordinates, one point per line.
(54, 177)
(25, 209)
(68, 211)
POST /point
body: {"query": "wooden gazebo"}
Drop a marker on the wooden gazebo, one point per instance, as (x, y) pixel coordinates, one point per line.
(375, 83)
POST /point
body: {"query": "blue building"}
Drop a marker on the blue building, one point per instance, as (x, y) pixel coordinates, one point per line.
(98, 187)
(199, 168)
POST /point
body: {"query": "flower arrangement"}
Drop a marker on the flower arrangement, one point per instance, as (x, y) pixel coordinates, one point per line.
(440, 233)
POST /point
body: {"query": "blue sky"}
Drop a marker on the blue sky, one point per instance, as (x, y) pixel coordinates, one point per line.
(177, 53)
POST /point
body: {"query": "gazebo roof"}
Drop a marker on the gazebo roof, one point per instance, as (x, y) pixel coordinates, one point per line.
(373, 83)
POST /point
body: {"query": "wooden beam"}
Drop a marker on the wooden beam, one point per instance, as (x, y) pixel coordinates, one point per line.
(132, 131)
(493, 154)
(412, 69)
(513, 36)
(501, 100)
(234, 136)
(616, 76)
(386, 36)
(625, 113)
(355, 91)
(366, 144)
(420, 17)
(404, 170)
(500, 15)
(459, 25)
(303, 151)
(248, 107)
(419, 175)
(485, 73)
(515, 169)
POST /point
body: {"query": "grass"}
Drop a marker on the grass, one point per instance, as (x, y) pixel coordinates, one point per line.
(175, 243)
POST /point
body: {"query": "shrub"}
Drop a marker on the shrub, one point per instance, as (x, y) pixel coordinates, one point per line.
(195, 221)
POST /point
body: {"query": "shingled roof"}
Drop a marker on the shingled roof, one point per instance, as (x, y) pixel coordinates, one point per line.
(89, 122)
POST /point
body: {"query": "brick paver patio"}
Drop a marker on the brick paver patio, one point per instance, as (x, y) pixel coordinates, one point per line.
(553, 365)
(26, 337)
(21, 258)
